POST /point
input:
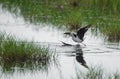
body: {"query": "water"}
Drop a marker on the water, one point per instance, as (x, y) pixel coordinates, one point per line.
(69, 58)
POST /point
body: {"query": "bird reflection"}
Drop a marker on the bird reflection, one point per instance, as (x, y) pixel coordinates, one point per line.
(79, 56)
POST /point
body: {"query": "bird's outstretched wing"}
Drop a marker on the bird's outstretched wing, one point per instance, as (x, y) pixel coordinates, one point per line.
(82, 31)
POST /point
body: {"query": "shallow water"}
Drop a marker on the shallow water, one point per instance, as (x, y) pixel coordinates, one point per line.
(69, 58)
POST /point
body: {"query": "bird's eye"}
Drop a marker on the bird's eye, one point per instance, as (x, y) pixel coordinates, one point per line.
(75, 35)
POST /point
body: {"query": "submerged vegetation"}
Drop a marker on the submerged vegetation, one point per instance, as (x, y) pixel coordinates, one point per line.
(19, 53)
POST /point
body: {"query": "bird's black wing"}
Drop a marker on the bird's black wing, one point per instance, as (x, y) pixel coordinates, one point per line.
(82, 31)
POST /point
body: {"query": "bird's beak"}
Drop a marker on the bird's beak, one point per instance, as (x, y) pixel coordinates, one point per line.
(67, 33)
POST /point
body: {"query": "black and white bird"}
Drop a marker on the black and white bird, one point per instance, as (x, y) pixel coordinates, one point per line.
(79, 35)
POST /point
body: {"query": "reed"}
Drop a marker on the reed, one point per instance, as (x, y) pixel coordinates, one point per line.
(97, 73)
(70, 13)
(110, 31)
(14, 51)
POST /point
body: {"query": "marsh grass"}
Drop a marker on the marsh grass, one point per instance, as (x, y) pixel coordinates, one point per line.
(59, 11)
(74, 3)
(105, 6)
(70, 13)
(111, 32)
(19, 53)
(97, 73)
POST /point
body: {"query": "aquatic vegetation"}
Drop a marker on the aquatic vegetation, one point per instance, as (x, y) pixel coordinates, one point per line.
(111, 33)
(105, 6)
(57, 12)
(14, 52)
(97, 73)
(70, 13)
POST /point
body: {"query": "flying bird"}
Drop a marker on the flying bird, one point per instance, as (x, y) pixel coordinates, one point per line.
(79, 35)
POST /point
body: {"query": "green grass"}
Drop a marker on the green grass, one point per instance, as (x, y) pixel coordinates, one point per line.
(57, 12)
(108, 6)
(97, 73)
(15, 52)
(70, 13)
(111, 33)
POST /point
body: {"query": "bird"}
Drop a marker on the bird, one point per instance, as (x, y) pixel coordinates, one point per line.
(79, 35)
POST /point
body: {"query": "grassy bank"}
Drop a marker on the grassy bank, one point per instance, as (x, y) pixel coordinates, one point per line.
(19, 53)
(103, 14)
